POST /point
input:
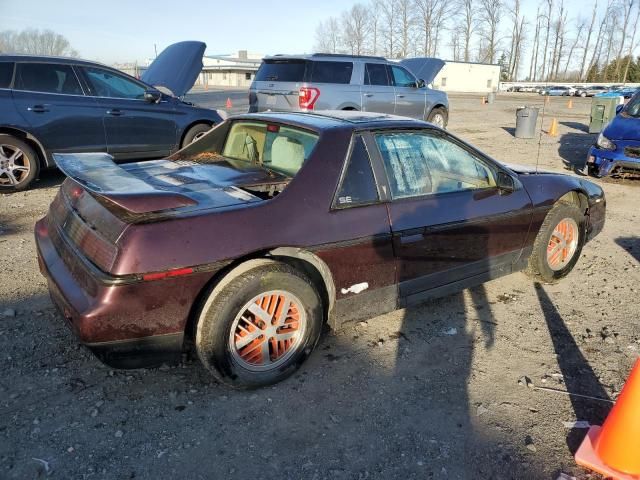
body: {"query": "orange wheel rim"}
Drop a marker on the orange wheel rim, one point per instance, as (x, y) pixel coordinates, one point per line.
(563, 244)
(267, 331)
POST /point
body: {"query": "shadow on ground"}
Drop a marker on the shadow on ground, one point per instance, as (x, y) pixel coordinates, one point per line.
(631, 245)
(573, 151)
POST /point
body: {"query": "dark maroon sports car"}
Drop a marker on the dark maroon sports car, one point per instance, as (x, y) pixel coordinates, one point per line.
(247, 241)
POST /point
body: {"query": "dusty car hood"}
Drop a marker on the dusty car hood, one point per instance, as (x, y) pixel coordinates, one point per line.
(425, 68)
(177, 67)
(623, 127)
(162, 185)
(526, 169)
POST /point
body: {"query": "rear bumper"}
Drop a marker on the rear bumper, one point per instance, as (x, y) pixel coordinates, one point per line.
(126, 326)
(602, 163)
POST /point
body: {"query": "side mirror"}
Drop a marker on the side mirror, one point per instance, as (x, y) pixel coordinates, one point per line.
(152, 96)
(505, 183)
(619, 108)
(420, 83)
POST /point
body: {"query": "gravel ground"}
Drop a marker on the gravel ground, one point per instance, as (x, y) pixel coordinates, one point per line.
(434, 391)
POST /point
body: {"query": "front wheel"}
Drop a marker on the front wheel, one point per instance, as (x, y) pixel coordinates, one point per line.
(195, 133)
(559, 242)
(257, 328)
(439, 117)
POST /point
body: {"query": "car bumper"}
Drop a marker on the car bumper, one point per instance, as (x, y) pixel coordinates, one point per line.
(602, 163)
(126, 326)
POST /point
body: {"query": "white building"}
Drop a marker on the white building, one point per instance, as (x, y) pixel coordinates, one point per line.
(468, 77)
(228, 70)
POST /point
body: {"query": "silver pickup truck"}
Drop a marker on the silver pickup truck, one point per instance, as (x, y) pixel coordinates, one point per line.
(348, 82)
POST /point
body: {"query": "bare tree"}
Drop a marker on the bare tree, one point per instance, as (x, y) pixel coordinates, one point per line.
(36, 42)
(546, 38)
(558, 46)
(468, 24)
(431, 18)
(578, 39)
(389, 15)
(627, 7)
(490, 12)
(406, 24)
(632, 44)
(533, 68)
(374, 26)
(355, 28)
(516, 39)
(588, 42)
(328, 36)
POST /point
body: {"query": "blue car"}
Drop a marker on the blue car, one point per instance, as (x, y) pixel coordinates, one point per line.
(617, 149)
(68, 105)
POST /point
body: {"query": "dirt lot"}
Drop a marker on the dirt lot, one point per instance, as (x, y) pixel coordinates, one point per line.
(429, 392)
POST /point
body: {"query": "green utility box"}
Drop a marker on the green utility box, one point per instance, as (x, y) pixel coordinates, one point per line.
(603, 110)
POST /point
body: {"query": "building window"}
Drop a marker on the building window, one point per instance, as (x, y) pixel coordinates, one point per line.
(224, 75)
(210, 76)
(443, 82)
(247, 76)
(489, 83)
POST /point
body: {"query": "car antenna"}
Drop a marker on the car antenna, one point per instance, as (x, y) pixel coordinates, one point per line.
(544, 104)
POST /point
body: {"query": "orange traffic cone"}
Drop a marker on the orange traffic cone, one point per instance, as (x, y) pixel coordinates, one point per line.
(229, 104)
(614, 449)
(553, 130)
(570, 104)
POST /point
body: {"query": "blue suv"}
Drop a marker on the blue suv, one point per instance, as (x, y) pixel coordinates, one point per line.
(52, 105)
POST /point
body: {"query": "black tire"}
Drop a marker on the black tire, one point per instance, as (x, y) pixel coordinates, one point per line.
(194, 133)
(539, 266)
(227, 304)
(12, 179)
(439, 111)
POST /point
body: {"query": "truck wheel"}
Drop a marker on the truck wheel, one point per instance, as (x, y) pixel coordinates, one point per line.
(194, 133)
(557, 247)
(19, 165)
(439, 117)
(257, 328)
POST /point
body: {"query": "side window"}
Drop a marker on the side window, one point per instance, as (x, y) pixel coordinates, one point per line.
(331, 72)
(402, 78)
(106, 83)
(421, 164)
(6, 74)
(376, 74)
(358, 185)
(47, 78)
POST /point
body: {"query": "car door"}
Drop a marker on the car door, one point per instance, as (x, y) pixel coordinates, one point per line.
(135, 128)
(50, 99)
(449, 220)
(378, 94)
(410, 100)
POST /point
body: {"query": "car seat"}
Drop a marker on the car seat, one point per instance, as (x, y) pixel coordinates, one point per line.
(287, 155)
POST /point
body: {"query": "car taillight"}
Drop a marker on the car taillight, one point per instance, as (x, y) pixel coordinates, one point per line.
(307, 97)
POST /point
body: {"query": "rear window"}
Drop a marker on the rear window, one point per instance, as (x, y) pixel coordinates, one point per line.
(47, 78)
(282, 71)
(331, 72)
(6, 74)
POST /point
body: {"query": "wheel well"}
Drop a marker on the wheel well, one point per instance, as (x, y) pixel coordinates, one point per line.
(28, 138)
(349, 108)
(190, 126)
(576, 198)
(303, 261)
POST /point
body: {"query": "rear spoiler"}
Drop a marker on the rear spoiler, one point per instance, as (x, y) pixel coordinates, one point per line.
(100, 175)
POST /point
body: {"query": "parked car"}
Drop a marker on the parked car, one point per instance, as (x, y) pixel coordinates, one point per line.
(590, 91)
(50, 104)
(617, 148)
(248, 240)
(625, 92)
(348, 82)
(557, 91)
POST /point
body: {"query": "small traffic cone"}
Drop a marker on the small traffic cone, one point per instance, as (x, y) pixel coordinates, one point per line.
(229, 104)
(570, 104)
(614, 449)
(553, 130)
(483, 101)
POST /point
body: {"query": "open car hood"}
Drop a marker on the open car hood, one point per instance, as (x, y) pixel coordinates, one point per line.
(425, 68)
(176, 68)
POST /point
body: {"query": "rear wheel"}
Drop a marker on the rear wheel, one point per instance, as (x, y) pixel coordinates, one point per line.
(559, 242)
(19, 164)
(257, 328)
(439, 117)
(194, 133)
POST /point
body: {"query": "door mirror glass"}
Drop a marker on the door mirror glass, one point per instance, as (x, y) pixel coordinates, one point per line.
(152, 96)
(619, 108)
(421, 83)
(505, 182)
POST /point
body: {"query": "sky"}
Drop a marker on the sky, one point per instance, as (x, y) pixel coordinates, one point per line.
(112, 31)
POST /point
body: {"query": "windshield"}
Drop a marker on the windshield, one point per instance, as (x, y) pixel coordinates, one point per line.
(633, 107)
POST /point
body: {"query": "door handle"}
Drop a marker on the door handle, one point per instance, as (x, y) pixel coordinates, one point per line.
(38, 109)
(400, 96)
(417, 237)
(116, 112)
(368, 94)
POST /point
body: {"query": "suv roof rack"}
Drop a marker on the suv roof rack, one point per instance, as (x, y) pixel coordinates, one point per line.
(346, 55)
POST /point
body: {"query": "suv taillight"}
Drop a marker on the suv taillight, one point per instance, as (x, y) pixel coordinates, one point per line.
(307, 97)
